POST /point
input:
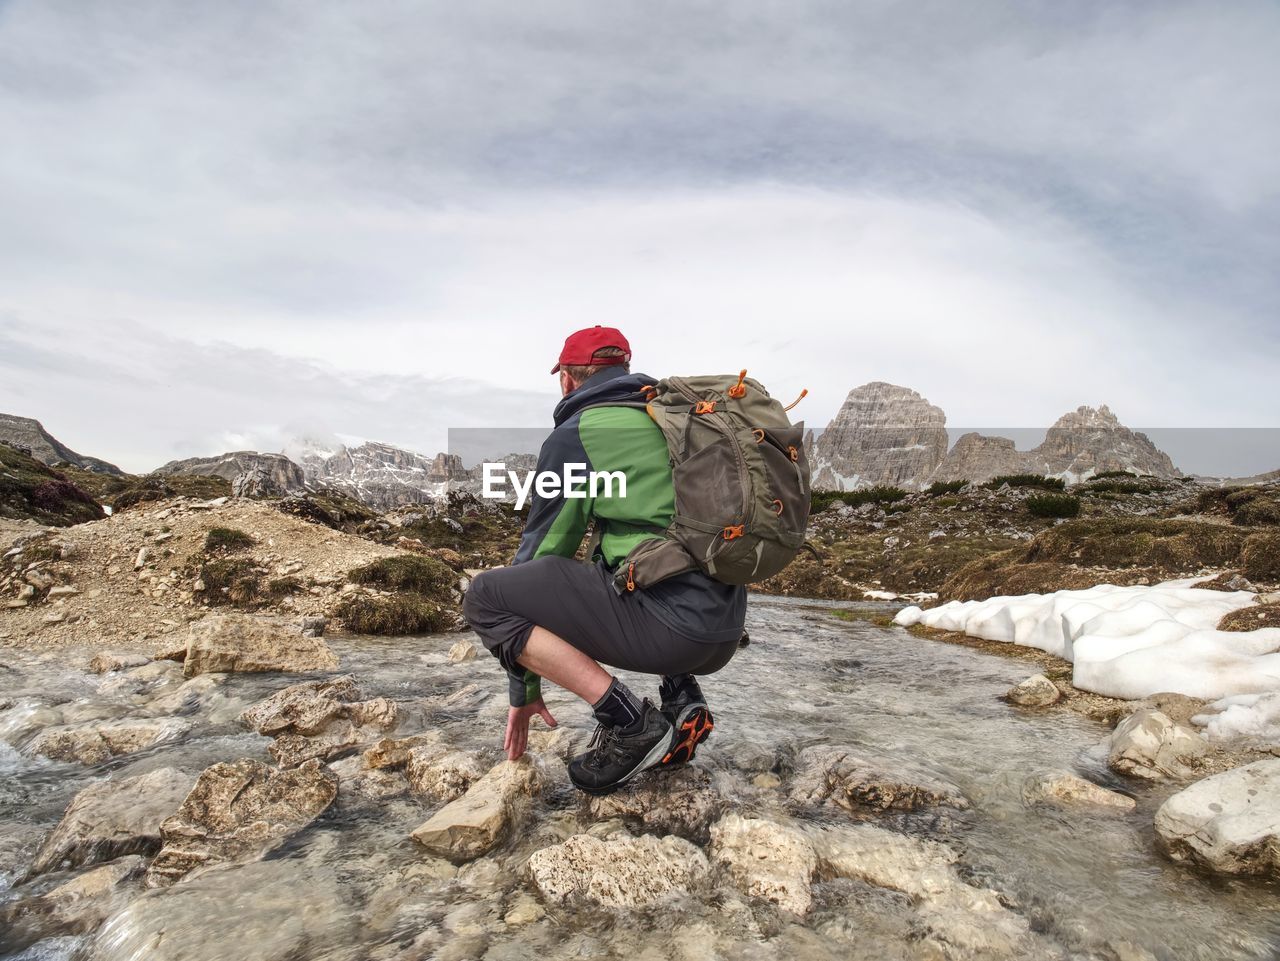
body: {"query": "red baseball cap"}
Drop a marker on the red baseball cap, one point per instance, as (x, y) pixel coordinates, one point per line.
(580, 347)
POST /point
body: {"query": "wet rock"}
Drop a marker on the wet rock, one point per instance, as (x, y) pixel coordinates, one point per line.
(1229, 823)
(765, 860)
(74, 907)
(471, 825)
(265, 911)
(188, 697)
(319, 719)
(443, 775)
(678, 800)
(237, 811)
(1064, 789)
(1035, 691)
(394, 752)
(114, 818)
(1148, 744)
(99, 741)
(462, 651)
(619, 871)
(238, 642)
(525, 909)
(374, 784)
(854, 780)
(105, 662)
(1179, 708)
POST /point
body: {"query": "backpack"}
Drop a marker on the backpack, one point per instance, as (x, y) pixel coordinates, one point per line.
(741, 482)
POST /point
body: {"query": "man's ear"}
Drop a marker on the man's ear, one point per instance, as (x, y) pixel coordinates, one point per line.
(567, 384)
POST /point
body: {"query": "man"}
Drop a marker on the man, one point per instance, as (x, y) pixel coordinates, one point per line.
(549, 616)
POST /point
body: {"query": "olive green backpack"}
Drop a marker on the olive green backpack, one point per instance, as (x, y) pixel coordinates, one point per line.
(741, 482)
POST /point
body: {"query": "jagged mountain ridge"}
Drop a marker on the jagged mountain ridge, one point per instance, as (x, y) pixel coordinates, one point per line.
(28, 434)
(887, 434)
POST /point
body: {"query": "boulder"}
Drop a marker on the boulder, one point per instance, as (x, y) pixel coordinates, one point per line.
(443, 775)
(1063, 789)
(106, 662)
(679, 800)
(462, 651)
(319, 719)
(74, 907)
(1035, 691)
(1149, 744)
(374, 784)
(238, 642)
(113, 818)
(854, 780)
(99, 741)
(394, 752)
(471, 825)
(237, 811)
(1229, 823)
(765, 860)
(618, 871)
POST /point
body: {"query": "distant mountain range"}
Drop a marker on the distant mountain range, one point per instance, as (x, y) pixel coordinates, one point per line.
(882, 434)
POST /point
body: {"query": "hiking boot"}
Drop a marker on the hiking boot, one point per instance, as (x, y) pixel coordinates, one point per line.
(617, 754)
(690, 719)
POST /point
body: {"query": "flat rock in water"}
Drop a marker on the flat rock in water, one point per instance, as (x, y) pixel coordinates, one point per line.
(679, 800)
(100, 741)
(852, 780)
(74, 907)
(764, 859)
(1035, 691)
(106, 662)
(1064, 789)
(1148, 744)
(1229, 823)
(319, 720)
(618, 871)
(441, 774)
(241, 643)
(114, 818)
(395, 752)
(471, 825)
(237, 811)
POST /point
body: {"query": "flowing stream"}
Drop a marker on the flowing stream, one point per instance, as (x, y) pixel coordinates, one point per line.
(353, 885)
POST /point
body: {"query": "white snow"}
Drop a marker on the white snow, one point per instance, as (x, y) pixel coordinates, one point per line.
(1128, 642)
(1252, 716)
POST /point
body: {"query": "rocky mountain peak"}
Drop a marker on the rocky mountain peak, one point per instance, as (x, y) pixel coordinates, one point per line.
(882, 434)
(28, 434)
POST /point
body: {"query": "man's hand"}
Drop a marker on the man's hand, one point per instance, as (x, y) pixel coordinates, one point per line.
(517, 738)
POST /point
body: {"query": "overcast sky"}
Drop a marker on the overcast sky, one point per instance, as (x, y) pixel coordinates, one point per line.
(227, 224)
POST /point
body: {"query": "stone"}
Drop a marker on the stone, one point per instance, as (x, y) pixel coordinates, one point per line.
(1035, 691)
(105, 662)
(462, 651)
(99, 741)
(1179, 708)
(1150, 745)
(1063, 789)
(471, 825)
(319, 719)
(618, 871)
(882, 434)
(852, 780)
(394, 752)
(524, 909)
(144, 555)
(375, 784)
(314, 626)
(680, 800)
(766, 860)
(113, 818)
(1228, 823)
(237, 811)
(62, 590)
(238, 642)
(74, 907)
(442, 775)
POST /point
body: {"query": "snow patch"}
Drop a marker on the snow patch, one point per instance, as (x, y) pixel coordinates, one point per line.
(1128, 642)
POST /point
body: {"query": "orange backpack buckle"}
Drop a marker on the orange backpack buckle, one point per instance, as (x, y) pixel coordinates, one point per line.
(736, 530)
(705, 407)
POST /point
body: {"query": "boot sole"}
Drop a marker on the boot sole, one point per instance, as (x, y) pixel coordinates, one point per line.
(694, 726)
(652, 759)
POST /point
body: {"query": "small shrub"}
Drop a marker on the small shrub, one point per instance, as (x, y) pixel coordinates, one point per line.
(227, 540)
(1114, 473)
(406, 572)
(235, 581)
(1054, 505)
(938, 488)
(283, 587)
(396, 615)
(1261, 557)
(1258, 512)
(1027, 480)
(1117, 487)
(880, 494)
(946, 502)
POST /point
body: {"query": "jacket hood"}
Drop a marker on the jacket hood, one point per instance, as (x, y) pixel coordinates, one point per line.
(610, 384)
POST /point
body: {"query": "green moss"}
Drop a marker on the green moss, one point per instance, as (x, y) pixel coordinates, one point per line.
(396, 615)
(406, 572)
(1053, 505)
(227, 540)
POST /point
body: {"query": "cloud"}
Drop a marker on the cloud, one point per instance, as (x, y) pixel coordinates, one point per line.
(1012, 208)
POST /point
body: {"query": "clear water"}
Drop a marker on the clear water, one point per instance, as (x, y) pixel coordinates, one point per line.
(354, 886)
